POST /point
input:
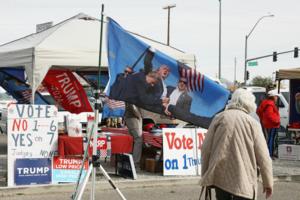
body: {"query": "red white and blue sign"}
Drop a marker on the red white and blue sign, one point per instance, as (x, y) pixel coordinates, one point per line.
(33, 171)
(66, 170)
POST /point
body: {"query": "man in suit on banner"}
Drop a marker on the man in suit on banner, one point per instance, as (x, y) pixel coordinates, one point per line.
(180, 105)
(178, 97)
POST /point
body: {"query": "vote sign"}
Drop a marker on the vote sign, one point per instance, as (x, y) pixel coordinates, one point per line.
(31, 133)
(182, 151)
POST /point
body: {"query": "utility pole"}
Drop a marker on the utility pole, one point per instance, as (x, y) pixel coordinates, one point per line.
(168, 7)
(246, 45)
(220, 17)
(234, 71)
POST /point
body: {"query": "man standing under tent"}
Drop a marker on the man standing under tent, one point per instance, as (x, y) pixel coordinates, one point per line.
(134, 123)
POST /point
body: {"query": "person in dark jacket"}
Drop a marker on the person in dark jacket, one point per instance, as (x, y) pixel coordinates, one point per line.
(160, 88)
(117, 88)
(270, 119)
(139, 88)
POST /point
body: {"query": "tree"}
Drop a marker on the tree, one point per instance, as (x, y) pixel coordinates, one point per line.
(263, 82)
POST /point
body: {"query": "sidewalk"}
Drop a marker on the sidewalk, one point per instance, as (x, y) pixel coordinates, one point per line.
(284, 170)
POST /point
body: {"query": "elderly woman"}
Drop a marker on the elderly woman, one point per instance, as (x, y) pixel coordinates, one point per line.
(234, 149)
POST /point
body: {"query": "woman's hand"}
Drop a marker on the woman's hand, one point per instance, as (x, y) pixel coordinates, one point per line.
(268, 192)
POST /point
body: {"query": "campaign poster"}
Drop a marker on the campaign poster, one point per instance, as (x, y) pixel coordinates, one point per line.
(103, 146)
(66, 169)
(294, 101)
(154, 81)
(182, 151)
(32, 171)
(67, 91)
(31, 133)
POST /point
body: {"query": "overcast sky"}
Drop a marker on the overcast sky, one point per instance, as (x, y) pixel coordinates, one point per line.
(194, 27)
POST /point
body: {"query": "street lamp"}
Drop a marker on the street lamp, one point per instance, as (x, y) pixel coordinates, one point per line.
(168, 33)
(220, 6)
(246, 41)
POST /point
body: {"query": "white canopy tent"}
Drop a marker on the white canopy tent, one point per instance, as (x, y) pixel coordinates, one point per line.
(72, 44)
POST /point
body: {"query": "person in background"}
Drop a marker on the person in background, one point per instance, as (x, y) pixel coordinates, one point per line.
(234, 149)
(134, 122)
(270, 119)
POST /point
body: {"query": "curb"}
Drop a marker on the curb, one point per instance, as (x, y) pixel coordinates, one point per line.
(287, 178)
(103, 185)
(100, 185)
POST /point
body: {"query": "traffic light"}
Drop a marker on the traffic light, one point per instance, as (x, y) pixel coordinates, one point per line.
(274, 56)
(296, 54)
(247, 75)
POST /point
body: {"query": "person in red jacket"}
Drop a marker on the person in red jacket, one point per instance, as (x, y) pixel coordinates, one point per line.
(270, 119)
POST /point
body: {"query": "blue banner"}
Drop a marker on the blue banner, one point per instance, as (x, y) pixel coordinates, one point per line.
(13, 81)
(111, 108)
(294, 114)
(156, 82)
(33, 171)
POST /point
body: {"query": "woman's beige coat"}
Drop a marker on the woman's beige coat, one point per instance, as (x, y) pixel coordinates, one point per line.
(233, 149)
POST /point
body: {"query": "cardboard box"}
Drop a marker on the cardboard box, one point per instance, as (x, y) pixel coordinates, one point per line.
(154, 166)
(289, 152)
(148, 152)
(150, 165)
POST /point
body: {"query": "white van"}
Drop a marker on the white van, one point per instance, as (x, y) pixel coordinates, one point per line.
(283, 103)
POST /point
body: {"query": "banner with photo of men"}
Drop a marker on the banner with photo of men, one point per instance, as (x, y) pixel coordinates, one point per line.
(154, 81)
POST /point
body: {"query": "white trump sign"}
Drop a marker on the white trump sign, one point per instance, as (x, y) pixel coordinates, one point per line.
(31, 133)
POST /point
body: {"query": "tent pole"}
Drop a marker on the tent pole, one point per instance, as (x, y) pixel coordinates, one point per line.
(33, 84)
(100, 47)
(98, 107)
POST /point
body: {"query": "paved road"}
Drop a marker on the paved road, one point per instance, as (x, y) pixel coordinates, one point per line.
(283, 191)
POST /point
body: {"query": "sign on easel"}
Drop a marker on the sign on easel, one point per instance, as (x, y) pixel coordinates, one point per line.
(182, 151)
(66, 170)
(31, 133)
